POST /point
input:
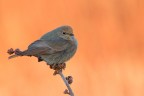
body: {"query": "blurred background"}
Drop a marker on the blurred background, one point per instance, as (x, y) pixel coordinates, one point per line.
(110, 56)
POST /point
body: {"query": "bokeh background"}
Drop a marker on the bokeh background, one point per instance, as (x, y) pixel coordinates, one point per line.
(110, 56)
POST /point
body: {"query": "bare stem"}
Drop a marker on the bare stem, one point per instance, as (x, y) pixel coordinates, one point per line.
(57, 67)
(66, 83)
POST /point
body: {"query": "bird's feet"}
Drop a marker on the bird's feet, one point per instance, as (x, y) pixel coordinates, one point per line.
(58, 67)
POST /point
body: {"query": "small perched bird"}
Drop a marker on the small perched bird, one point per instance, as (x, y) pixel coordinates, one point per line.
(54, 47)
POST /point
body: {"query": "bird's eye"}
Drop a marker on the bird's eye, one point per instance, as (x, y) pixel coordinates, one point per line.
(64, 32)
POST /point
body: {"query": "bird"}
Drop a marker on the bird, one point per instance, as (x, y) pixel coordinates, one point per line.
(54, 47)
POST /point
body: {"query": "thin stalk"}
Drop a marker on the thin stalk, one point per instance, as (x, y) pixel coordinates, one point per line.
(66, 83)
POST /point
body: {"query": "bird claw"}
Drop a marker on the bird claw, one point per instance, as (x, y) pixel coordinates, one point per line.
(57, 72)
(53, 66)
(58, 66)
(62, 66)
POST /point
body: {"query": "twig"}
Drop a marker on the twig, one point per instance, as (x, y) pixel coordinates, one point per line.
(66, 83)
(57, 67)
(67, 80)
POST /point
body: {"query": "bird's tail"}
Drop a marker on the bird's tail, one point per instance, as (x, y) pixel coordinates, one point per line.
(13, 56)
(21, 53)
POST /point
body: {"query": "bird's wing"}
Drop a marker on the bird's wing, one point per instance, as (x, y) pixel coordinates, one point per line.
(42, 47)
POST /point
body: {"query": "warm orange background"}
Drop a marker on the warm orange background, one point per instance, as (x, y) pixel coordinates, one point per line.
(110, 57)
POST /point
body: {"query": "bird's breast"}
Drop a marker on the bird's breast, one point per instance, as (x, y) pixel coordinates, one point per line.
(61, 56)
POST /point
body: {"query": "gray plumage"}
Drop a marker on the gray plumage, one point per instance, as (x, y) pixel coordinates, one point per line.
(54, 47)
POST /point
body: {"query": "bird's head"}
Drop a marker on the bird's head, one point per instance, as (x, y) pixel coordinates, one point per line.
(65, 32)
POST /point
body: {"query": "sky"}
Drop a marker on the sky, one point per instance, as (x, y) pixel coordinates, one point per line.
(110, 56)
